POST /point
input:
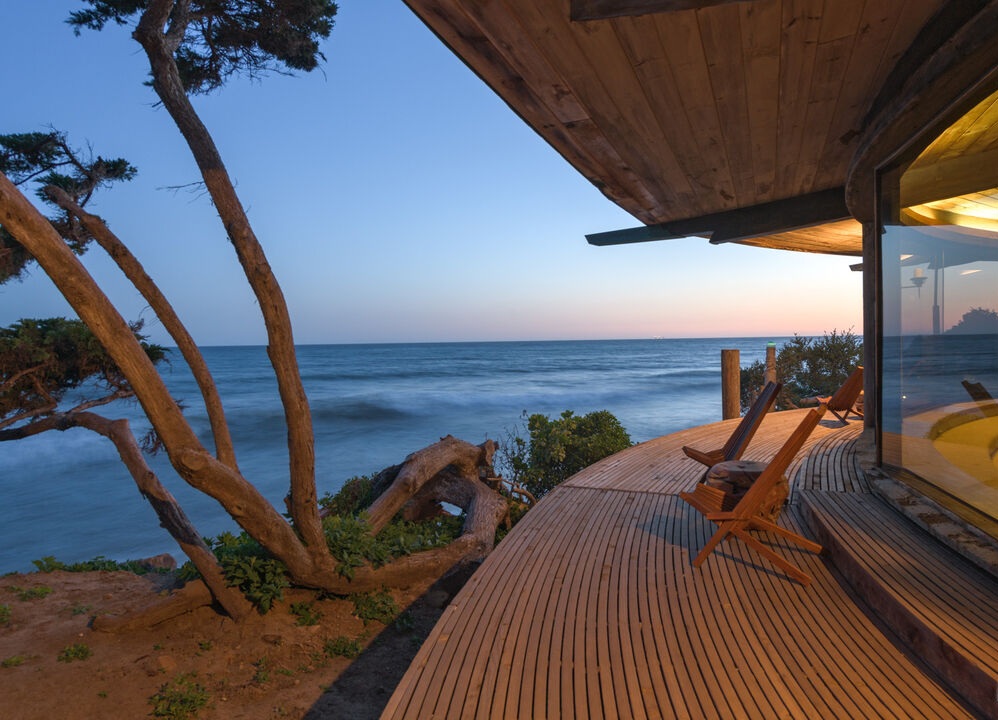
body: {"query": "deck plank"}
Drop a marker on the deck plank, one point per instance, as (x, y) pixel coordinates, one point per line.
(591, 608)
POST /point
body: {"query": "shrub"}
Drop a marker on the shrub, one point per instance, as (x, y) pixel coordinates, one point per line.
(181, 699)
(13, 661)
(342, 646)
(305, 613)
(77, 651)
(350, 542)
(557, 449)
(356, 494)
(247, 565)
(378, 606)
(49, 564)
(807, 367)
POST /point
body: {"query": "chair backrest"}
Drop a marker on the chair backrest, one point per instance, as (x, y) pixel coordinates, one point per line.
(977, 391)
(845, 397)
(752, 500)
(742, 435)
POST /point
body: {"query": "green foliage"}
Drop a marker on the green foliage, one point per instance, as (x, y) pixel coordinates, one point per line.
(354, 497)
(76, 651)
(35, 593)
(377, 606)
(47, 160)
(807, 367)
(349, 540)
(5, 615)
(306, 613)
(247, 565)
(80, 609)
(226, 37)
(41, 360)
(342, 646)
(13, 661)
(49, 564)
(557, 449)
(180, 699)
(262, 673)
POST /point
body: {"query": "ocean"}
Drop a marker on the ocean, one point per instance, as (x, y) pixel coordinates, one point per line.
(67, 495)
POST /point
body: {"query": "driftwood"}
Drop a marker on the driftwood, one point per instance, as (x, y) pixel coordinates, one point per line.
(450, 471)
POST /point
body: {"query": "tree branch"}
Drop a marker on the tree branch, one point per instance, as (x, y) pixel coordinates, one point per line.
(136, 273)
(280, 348)
(202, 471)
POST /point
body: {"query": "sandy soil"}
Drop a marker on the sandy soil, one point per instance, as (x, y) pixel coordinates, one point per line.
(268, 667)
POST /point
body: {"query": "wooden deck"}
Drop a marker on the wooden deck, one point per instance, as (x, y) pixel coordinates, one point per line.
(591, 608)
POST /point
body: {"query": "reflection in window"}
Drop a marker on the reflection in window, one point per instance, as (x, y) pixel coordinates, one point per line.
(940, 356)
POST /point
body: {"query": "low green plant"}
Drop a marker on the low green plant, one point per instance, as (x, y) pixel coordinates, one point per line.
(5, 615)
(180, 699)
(76, 651)
(13, 661)
(350, 541)
(49, 564)
(371, 606)
(205, 645)
(305, 613)
(79, 609)
(342, 646)
(557, 449)
(405, 622)
(262, 673)
(247, 565)
(356, 494)
(35, 593)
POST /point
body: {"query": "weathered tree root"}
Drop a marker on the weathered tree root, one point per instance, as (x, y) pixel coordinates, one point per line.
(445, 472)
(191, 596)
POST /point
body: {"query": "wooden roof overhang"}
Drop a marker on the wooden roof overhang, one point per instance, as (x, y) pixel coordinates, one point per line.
(741, 121)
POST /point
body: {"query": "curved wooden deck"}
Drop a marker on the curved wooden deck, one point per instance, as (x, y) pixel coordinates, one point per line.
(591, 608)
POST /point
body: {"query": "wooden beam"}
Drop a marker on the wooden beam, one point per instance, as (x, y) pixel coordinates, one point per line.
(606, 9)
(803, 211)
(939, 85)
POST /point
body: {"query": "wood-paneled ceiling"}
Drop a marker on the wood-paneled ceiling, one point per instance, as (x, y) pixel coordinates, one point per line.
(681, 109)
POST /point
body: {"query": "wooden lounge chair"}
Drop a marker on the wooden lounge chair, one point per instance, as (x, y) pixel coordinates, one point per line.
(844, 400)
(746, 515)
(977, 391)
(742, 435)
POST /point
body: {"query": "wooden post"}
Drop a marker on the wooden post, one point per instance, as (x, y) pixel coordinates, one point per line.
(731, 383)
(770, 362)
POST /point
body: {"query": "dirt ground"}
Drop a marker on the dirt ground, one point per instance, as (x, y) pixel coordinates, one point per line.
(53, 665)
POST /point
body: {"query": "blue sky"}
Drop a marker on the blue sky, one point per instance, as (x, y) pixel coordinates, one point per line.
(398, 199)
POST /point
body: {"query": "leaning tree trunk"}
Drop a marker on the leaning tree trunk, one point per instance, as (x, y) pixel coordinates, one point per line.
(191, 460)
(159, 46)
(171, 516)
(137, 275)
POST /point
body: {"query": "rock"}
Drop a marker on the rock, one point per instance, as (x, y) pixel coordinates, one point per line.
(164, 561)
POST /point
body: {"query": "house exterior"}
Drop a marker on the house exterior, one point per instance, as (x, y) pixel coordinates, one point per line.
(867, 128)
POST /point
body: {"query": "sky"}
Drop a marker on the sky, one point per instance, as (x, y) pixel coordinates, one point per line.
(397, 197)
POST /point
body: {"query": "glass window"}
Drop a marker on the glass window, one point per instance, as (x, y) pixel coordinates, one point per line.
(939, 258)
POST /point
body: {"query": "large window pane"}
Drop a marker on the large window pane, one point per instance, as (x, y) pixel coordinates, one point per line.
(940, 363)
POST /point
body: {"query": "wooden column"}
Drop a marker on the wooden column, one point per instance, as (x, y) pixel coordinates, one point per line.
(770, 362)
(731, 383)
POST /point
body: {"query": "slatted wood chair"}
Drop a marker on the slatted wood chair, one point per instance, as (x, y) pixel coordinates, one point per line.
(977, 391)
(746, 515)
(844, 400)
(740, 438)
